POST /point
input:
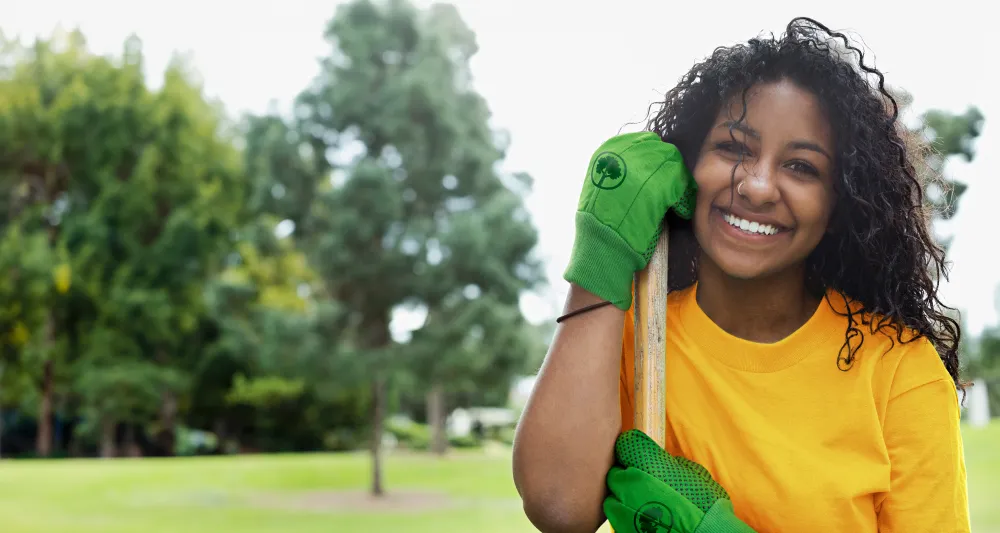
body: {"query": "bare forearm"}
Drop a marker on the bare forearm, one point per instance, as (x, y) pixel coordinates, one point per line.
(565, 438)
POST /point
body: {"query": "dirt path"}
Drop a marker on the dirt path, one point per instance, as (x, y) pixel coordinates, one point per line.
(358, 501)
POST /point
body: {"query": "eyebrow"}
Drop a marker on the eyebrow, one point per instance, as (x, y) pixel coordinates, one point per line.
(795, 145)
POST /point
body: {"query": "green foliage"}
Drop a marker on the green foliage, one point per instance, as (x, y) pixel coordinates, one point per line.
(414, 207)
(26, 286)
(263, 392)
(955, 134)
(409, 434)
(937, 136)
(125, 391)
(342, 439)
(464, 441)
(126, 197)
(983, 363)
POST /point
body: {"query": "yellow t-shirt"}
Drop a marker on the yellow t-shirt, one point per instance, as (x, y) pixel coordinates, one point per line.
(803, 446)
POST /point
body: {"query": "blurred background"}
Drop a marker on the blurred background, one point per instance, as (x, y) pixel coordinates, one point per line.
(241, 240)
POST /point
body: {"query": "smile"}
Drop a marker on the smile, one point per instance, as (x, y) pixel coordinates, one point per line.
(750, 227)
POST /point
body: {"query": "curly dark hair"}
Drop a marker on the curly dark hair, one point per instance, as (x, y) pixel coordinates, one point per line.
(880, 252)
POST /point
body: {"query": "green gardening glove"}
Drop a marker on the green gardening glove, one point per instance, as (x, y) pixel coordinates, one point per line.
(632, 181)
(655, 492)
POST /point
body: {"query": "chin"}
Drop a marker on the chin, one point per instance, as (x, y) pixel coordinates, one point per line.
(741, 270)
(742, 265)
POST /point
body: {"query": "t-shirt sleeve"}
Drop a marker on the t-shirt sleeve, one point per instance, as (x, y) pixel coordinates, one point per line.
(928, 489)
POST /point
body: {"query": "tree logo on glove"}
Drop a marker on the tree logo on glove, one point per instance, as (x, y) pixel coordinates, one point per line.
(653, 517)
(608, 172)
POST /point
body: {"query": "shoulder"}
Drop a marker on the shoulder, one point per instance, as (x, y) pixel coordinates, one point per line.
(907, 366)
(898, 359)
(891, 358)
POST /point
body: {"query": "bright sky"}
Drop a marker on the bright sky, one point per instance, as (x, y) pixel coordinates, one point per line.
(562, 79)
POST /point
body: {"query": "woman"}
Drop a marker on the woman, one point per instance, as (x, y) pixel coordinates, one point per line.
(813, 371)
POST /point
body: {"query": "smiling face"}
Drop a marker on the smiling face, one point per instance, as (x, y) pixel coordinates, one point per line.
(768, 225)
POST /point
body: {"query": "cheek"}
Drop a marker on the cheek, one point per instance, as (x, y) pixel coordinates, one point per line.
(812, 206)
(713, 173)
(714, 178)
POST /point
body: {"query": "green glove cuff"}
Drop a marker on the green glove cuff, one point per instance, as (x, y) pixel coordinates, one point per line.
(602, 262)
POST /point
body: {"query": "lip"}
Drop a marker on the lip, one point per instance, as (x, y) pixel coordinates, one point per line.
(744, 237)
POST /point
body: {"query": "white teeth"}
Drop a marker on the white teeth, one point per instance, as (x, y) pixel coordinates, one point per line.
(750, 227)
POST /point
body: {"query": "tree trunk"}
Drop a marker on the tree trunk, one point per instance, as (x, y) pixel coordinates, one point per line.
(376, 338)
(168, 421)
(378, 416)
(221, 434)
(43, 439)
(167, 437)
(130, 447)
(436, 417)
(75, 448)
(108, 446)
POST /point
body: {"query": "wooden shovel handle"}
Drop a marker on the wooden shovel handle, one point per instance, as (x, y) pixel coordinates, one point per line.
(650, 312)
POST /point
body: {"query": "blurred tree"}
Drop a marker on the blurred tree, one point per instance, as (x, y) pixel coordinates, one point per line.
(34, 187)
(260, 383)
(137, 192)
(26, 287)
(409, 211)
(278, 322)
(937, 136)
(125, 391)
(476, 340)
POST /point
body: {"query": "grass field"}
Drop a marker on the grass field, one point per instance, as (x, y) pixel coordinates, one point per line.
(468, 491)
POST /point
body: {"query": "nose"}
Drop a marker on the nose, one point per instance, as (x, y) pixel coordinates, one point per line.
(759, 186)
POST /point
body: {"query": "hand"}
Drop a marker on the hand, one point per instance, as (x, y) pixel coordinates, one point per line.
(655, 492)
(632, 181)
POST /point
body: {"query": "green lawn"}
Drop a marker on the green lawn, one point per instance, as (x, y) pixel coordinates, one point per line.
(982, 458)
(468, 491)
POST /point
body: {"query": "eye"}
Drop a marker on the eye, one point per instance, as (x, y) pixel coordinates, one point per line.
(731, 147)
(801, 167)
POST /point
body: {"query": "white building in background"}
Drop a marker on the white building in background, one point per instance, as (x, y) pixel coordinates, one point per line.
(461, 422)
(977, 404)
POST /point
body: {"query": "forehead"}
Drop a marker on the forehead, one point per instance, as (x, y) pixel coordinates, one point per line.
(781, 110)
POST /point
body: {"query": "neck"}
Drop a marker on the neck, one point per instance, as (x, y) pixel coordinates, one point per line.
(763, 310)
